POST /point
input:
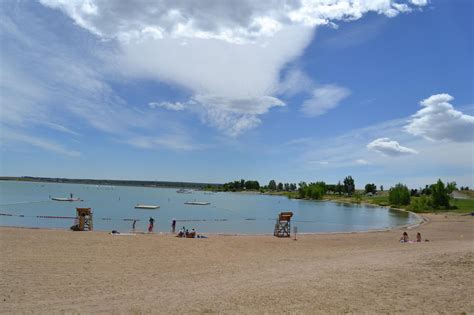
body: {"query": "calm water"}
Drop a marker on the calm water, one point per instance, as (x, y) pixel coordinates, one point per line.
(227, 213)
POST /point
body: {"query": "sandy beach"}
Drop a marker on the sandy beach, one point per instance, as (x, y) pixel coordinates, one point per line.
(44, 271)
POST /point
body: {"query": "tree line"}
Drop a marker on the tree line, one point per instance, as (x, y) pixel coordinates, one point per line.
(433, 196)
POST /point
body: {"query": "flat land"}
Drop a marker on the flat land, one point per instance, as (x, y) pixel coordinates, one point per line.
(46, 271)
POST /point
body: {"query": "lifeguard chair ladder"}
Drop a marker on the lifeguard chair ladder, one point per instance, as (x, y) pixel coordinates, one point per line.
(282, 225)
(84, 220)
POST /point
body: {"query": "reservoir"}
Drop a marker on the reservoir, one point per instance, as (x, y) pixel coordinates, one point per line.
(29, 204)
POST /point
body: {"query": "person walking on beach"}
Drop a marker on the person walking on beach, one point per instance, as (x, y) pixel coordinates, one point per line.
(150, 226)
(173, 226)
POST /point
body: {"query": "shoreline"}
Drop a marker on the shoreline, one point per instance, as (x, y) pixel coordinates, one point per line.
(421, 221)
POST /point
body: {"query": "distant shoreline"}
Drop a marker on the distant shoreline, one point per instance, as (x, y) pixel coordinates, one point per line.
(110, 182)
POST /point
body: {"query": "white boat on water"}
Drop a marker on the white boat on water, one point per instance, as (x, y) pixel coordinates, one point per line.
(197, 203)
(149, 207)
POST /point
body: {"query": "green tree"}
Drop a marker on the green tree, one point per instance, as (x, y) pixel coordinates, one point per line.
(272, 185)
(315, 192)
(399, 195)
(370, 188)
(280, 186)
(450, 187)
(302, 189)
(252, 185)
(426, 190)
(339, 188)
(349, 186)
(421, 204)
(439, 195)
(381, 187)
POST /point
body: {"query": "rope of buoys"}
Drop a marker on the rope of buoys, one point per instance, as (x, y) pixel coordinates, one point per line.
(53, 217)
(57, 217)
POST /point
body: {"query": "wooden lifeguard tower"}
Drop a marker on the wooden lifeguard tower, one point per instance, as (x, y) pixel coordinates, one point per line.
(84, 220)
(282, 225)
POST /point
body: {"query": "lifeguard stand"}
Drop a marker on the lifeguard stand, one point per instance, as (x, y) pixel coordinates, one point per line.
(84, 219)
(282, 225)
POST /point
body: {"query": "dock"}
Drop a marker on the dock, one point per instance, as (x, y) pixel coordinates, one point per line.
(197, 203)
(148, 207)
(65, 199)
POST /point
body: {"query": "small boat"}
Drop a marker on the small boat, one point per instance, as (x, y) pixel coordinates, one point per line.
(197, 203)
(183, 191)
(149, 207)
(66, 199)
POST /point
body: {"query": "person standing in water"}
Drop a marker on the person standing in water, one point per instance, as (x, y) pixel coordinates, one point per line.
(150, 226)
(173, 226)
(133, 225)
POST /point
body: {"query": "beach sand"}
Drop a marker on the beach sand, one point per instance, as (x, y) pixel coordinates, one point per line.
(45, 271)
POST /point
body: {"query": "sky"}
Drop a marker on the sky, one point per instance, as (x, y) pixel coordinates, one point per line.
(215, 91)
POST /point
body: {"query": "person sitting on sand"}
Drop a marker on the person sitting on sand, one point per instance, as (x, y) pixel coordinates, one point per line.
(418, 237)
(191, 234)
(181, 232)
(404, 238)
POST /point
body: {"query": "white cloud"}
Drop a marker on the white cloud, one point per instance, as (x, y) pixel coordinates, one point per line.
(177, 106)
(178, 142)
(65, 91)
(58, 127)
(438, 120)
(228, 80)
(346, 152)
(389, 147)
(294, 82)
(362, 162)
(12, 137)
(234, 115)
(324, 98)
(419, 2)
(229, 50)
(235, 22)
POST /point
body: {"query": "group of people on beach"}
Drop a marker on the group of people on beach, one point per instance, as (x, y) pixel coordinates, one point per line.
(184, 232)
(406, 239)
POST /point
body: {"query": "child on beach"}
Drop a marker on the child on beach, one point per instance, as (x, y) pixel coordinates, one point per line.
(418, 237)
(404, 238)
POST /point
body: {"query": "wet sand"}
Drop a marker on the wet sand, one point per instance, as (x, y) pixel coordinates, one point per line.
(44, 271)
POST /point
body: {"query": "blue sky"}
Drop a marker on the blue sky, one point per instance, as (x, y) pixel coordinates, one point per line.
(219, 91)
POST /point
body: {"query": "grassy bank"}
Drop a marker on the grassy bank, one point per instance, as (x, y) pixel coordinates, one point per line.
(458, 205)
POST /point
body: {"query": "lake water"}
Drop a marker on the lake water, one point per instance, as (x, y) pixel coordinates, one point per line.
(227, 213)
